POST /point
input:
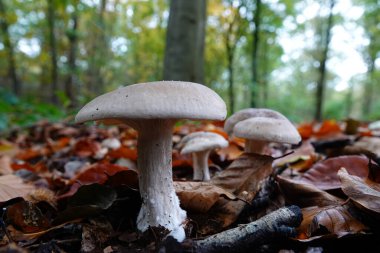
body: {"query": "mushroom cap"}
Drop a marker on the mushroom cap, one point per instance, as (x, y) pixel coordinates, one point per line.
(249, 113)
(202, 141)
(155, 100)
(267, 129)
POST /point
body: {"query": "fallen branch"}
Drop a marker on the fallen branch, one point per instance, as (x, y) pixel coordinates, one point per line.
(279, 223)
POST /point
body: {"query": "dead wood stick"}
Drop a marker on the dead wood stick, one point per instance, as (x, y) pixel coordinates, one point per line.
(276, 224)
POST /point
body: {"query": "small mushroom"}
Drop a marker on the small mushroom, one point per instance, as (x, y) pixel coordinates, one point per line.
(152, 109)
(260, 127)
(200, 144)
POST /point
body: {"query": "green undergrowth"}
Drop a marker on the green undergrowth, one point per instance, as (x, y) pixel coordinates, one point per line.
(16, 112)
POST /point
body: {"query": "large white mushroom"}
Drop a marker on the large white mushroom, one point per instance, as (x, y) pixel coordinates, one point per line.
(152, 109)
(260, 126)
(200, 144)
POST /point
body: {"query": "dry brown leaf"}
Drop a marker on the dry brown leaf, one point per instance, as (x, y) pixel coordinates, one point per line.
(199, 196)
(7, 148)
(335, 219)
(245, 174)
(5, 165)
(301, 159)
(324, 174)
(364, 193)
(369, 143)
(243, 178)
(12, 186)
(231, 152)
(28, 217)
(304, 194)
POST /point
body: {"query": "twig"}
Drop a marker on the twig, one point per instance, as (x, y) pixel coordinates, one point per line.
(279, 223)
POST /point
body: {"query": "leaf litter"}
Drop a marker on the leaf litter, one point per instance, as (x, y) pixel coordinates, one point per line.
(74, 188)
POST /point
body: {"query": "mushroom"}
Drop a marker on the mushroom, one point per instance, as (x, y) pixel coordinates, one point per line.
(152, 109)
(200, 144)
(260, 126)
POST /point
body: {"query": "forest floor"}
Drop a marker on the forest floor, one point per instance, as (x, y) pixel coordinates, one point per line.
(74, 188)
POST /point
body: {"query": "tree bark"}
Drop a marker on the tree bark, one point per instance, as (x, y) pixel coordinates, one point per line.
(277, 224)
(185, 39)
(53, 51)
(71, 81)
(99, 45)
(12, 73)
(230, 60)
(322, 65)
(255, 55)
(369, 89)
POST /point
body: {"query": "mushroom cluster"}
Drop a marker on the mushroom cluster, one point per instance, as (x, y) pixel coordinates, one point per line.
(259, 126)
(152, 109)
(200, 144)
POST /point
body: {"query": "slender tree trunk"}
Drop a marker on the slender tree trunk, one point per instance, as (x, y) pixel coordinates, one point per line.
(230, 62)
(349, 100)
(71, 81)
(185, 39)
(265, 75)
(53, 51)
(369, 89)
(255, 55)
(99, 45)
(322, 65)
(16, 85)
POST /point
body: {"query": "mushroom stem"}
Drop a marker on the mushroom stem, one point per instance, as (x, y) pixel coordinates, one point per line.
(255, 146)
(200, 164)
(160, 204)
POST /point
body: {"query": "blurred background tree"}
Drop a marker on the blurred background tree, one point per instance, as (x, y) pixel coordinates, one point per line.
(310, 59)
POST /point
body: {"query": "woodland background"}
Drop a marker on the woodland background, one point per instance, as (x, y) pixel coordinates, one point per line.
(310, 60)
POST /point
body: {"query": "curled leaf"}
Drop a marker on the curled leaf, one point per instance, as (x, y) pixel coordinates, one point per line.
(324, 174)
(199, 196)
(364, 193)
(328, 221)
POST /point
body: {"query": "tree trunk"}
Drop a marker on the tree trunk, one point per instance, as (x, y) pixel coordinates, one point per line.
(71, 81)
(185, 39)
(230, 62)
(322, 65)
(53, 51)
(264, 82)
(368, 92)
(99, 45)
(255, 47)
(16, 85)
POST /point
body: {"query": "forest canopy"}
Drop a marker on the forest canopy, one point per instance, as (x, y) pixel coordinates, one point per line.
(307, 59)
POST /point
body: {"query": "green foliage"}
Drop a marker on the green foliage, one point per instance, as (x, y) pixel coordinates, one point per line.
(19, 112)
(124, 43)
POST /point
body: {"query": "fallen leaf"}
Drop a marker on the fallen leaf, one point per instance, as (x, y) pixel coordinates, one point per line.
(231, 152)
(324, 174)
(327, 128)
(301, 159)
(199, 196)
(364, 193)
(5, 165)
(12, 186)
(87, 201)
(305, 194)
(27, 217)
(245, 173)
(305, 130)
(243, 178)
(327, 221)
(123, 152)
(369, 143)
(86, 147)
